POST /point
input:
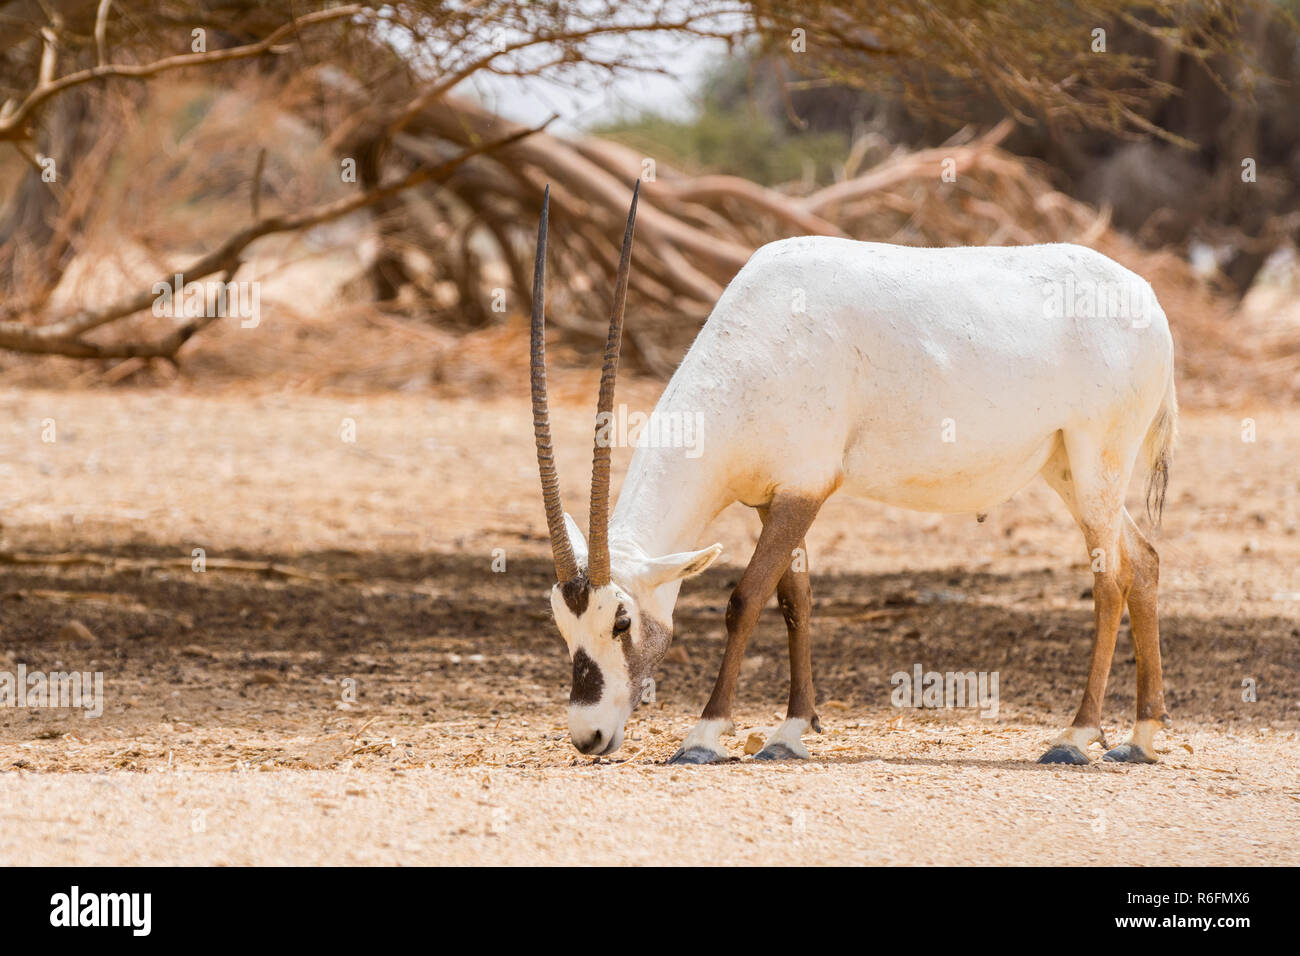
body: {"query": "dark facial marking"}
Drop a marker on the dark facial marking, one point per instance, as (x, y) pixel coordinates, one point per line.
(587, 680)
(576, 593)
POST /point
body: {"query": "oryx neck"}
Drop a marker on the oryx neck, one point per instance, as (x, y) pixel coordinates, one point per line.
(666, 501)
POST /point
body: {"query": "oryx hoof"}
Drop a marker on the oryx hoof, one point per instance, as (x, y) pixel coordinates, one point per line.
(1064, 753)
(1128, 753)
(698, 755)
(775, 751)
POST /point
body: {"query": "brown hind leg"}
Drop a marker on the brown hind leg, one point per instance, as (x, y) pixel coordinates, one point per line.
(788, 520)
(1142, 614)
(1092, 487)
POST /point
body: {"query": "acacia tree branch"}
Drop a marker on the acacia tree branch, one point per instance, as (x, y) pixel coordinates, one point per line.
(101, 31)
(14, 123)
(432, 95)
(892, 172)
(64, 337)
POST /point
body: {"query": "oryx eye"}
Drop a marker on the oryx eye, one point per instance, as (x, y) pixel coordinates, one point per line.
(622, 623)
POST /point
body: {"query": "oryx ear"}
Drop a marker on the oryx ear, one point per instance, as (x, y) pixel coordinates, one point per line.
(674, 567)
(577, 539)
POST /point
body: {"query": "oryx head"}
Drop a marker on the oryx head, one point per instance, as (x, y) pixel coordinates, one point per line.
(616, 623)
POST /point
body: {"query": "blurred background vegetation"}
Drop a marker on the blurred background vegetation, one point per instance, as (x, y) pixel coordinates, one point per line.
(1124, 126)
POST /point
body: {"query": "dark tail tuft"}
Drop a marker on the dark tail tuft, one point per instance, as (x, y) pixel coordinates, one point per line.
(1157, 484)
(1158, 451)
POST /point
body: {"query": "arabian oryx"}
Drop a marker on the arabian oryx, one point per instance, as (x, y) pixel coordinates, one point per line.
(834, 365)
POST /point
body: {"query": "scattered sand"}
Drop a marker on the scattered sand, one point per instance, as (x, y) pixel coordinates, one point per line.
(227, 736)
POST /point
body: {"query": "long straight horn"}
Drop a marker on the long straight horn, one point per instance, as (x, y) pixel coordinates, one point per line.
(566, 565)
(598, 554)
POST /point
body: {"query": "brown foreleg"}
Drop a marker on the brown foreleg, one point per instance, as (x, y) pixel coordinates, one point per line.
(788, 519)
(794, 596)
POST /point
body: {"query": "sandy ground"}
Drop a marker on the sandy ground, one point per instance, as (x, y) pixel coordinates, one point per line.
(380, 694)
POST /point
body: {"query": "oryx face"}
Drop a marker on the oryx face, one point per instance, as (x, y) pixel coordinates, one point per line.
(614, 652)
(615, 638)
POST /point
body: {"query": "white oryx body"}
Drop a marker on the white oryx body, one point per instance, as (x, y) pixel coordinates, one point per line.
(938, 380)
(892, 344)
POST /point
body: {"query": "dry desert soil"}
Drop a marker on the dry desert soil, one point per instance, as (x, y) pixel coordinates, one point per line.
(366, 671)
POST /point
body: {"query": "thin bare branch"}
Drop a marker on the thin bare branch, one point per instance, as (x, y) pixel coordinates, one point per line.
(64, 337)
(14, 125)
(101, 31)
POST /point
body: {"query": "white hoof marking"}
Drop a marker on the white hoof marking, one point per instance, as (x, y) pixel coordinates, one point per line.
(788, 735)
(1079, 737)
(707, 734)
